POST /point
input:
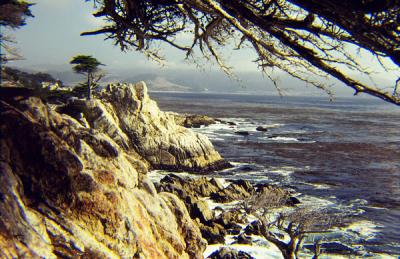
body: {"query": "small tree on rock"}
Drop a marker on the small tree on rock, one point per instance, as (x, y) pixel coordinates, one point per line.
(287, 230)
(88, 66)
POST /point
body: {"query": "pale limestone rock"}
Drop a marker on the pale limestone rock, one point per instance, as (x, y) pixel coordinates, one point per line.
(153, 133)
(71, 191)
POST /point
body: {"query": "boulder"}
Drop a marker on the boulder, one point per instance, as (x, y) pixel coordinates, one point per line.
(229, 253)
(254, 228)
(237, 190)
(197, 187)
(243, 240)
(196, 121)
(291, 201)
(229, 219)
(234, 229)
(262, 128)
(201, 211)
(214, 234)
(242, 133)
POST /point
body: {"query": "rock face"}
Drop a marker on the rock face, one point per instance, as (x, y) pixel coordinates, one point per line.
(193, 120)
(76, 186)
(126, 113)
(229, 253)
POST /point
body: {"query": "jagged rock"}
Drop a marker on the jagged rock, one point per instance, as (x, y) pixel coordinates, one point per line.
(201, 211)
(199, 187)
(229, 253)
(291, 201)
(234, 229)
(229, 219)
(214, 234)
(271, 189)
(192, 120)
(195, 121)
(151, 132)
(237, 190)
(254, 228)
(243, 240)
(72, 191)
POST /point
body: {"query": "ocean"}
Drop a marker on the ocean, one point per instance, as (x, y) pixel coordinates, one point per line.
(343, 156)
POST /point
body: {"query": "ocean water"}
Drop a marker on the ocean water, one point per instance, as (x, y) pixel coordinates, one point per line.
(342, 155)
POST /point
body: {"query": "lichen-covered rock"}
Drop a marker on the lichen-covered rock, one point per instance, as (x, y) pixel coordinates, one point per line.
(67, 190)
(193, 120)
(229, 253)
(151, 132)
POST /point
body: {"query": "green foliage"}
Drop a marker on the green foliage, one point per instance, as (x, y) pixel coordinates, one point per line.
(28, 80)
(13, 13)
(85, 64)
(80, 90)
(308, 39)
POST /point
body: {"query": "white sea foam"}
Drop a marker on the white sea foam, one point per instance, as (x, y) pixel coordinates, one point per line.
(315, 202)
(156, 175)
(225, 206)
(364, 228)
(284, 170)
(274, 125)
(259, 252)
(284, 139)
(320, 186)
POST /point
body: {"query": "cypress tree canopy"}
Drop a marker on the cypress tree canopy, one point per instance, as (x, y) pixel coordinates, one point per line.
(308, 39)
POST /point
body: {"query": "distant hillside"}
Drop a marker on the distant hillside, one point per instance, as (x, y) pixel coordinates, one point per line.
(17, 78)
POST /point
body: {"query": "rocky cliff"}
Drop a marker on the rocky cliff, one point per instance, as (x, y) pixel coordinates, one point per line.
(73, 179)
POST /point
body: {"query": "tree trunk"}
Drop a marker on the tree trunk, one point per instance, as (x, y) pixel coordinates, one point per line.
(89, 87)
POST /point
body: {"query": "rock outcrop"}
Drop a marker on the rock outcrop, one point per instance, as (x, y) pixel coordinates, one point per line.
(126, 113)
(73, 183)
(193, 120)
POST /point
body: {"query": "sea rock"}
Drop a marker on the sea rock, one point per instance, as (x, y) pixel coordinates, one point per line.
(234, 229)
(243, 240)
(196, 121)
(254, 228)
(127, 113)
(237, 190)
(333, 248)
(201, 211)
(262, 128)
(198, 187)
(293, 201)
(214, 234)
(229, 219)
(242, 133)
(229, 253)
(72, 191)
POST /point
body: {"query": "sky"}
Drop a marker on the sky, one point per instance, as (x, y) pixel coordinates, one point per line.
(52, 38)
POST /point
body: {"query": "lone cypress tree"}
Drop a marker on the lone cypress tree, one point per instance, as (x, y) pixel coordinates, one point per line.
(86, 65)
